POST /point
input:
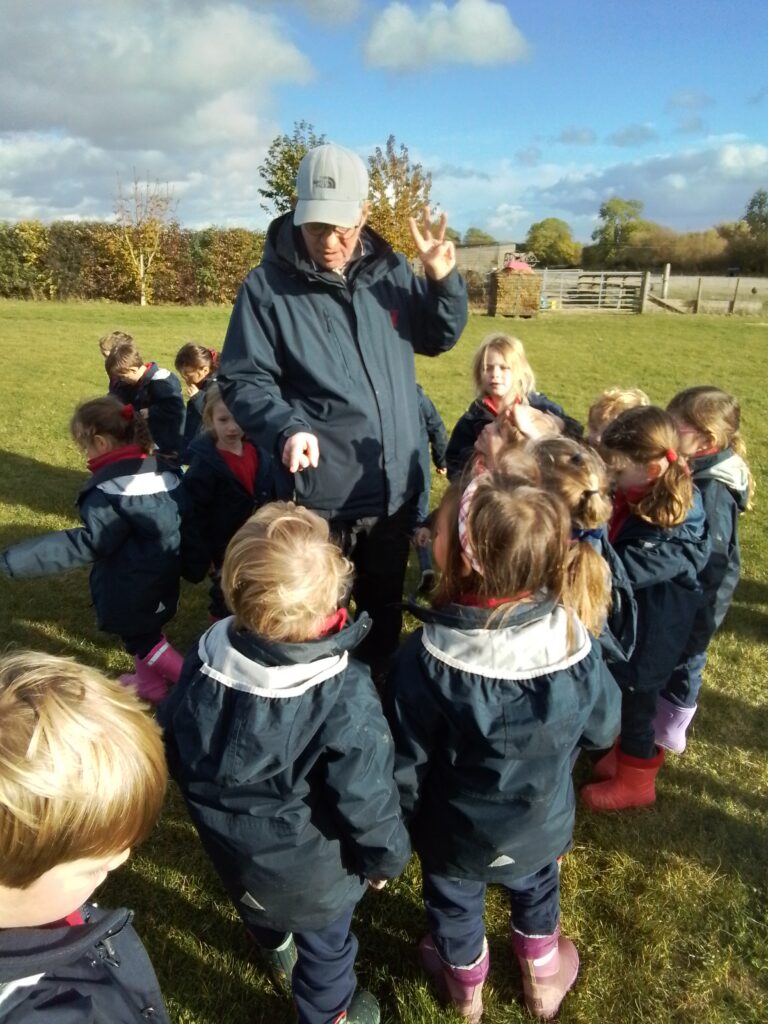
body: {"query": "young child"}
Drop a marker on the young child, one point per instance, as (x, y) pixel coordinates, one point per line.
(434, 439)
(278, 743)
(82, 781)
(487, 702)
(130, 534)
(197, 366)
(610, 404)
(152, 391)
(708, 422)
(576, 472)
(106, 343)
(227, 480)
(660, 534)
(503, 378)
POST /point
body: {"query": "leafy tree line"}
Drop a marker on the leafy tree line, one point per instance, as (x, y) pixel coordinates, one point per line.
(90, 260)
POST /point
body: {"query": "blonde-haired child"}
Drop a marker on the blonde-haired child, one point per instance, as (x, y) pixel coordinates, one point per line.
(152, 391)
(130, 535)
(503, 378)
(276, 738)
(82, 780)
(598, 581)
(487, 702)
(709, 424)
(610, 404)
(660, 534)
(227, 480)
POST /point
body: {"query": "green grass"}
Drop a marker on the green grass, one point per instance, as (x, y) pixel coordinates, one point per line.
(667, 906)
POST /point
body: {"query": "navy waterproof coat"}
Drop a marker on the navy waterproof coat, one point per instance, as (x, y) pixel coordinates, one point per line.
(94, 973)
(314, 351)
(131, 534)
(486, 712)
(193, 420)
(217, 506)
(664, 567)
(468, 428)
(723, 479)
(286, 764)
(159, 392)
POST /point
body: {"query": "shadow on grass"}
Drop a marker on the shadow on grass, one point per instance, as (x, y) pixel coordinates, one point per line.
(38, 485)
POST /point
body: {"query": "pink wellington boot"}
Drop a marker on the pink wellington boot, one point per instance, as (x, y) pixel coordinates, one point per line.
(154, 671)
(549, 965)
(462, 986)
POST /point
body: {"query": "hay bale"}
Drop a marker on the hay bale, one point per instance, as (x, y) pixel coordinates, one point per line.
(514, 293)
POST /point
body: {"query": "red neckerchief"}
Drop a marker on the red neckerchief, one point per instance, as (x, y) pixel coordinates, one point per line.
(622, 510)
(126, 451)
(705, 451)
(491, 405)
(243, 466)
(74, 918)
(334, 623)
(475, 601)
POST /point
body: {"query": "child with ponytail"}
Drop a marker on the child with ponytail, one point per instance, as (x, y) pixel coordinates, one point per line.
(130, 534)
(708, 422)
(503, 378)
(487, 701)
(659, 532)
(598, 582)
(198, 367)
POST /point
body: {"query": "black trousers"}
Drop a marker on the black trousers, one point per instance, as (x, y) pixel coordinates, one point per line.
(378, 546)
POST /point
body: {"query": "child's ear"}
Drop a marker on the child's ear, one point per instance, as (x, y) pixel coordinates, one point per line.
(654, 470)
(101, 444)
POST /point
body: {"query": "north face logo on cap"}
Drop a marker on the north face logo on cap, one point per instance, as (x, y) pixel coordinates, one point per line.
(326, 182)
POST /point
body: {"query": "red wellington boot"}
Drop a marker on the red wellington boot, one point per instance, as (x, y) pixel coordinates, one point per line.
(634, 784)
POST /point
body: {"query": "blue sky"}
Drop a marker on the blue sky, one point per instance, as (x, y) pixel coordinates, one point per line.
(520, 111)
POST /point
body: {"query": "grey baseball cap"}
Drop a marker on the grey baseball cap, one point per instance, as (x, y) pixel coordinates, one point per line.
(332, 185)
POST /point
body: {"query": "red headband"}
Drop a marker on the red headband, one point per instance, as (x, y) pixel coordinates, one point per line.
(127, 412)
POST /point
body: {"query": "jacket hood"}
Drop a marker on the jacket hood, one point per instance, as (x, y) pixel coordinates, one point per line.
(531, 641)
(727, 468)
(28, 953)
(250, 664)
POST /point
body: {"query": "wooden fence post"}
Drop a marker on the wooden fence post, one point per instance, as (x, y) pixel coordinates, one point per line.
(732, 307)
(645, 287)
(698, 295)
(665, 281)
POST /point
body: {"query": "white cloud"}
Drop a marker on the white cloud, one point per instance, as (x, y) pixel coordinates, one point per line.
(689, 99)
(633, 135)
(332, 12)
(479, 32)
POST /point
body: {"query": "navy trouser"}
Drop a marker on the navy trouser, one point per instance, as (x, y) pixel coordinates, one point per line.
(378, 546)
(324, 976)
(638, 710)
(685, 682)
(140, 646)
(455, 910)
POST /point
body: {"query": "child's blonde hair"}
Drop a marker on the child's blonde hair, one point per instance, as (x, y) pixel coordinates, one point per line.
(282, 574)
(644, 435)
(212, 398)
(513, 353)
(108, 417)
(577, 473)
(612, 403)
(124, 356)
(192, 356)
(108, 341)
(82, 767)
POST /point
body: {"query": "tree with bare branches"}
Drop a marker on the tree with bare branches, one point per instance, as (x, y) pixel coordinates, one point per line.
(144, 212)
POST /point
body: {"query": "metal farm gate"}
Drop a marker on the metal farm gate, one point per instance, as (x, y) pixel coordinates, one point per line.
(618, 292)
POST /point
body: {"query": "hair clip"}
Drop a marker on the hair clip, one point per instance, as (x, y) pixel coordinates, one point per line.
(671, 455)
(127, 412)
(464, 540)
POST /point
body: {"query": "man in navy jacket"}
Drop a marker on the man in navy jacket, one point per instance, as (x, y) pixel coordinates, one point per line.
(318, 366)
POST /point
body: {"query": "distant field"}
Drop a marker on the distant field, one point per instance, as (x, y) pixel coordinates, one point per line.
(668, 907)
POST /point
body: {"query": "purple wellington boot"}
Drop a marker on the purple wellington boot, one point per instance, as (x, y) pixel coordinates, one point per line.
(154, 671)
(549, 965)
(462, 986)
(671, 723)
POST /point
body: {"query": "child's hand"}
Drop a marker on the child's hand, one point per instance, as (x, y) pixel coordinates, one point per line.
(535, 424)
(443, 471)
(377, 883)
(192, 390)
(422, 535)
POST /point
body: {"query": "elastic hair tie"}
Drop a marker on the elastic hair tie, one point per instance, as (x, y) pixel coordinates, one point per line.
(127, 412)
(212, 353)
(464, 540)
(671, 455)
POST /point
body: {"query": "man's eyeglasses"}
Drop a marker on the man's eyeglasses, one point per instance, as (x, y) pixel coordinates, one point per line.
(317, 230)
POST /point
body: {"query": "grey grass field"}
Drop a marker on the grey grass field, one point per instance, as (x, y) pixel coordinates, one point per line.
(668, 906)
